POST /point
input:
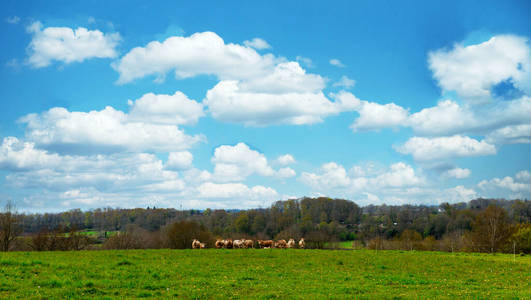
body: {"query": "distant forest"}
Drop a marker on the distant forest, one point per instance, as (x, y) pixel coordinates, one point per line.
(482, 225)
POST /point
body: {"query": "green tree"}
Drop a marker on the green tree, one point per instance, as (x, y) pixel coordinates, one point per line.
(242, 223)
(521, 238)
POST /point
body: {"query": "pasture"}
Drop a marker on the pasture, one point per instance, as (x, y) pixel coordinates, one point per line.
(258, 273)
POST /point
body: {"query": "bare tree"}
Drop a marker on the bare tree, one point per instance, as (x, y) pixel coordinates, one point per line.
(9, 226)
(491, 229)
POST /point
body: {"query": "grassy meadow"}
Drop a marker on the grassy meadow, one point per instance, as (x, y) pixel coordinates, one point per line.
(257, 273)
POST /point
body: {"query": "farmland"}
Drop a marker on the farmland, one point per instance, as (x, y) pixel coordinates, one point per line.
(258, 273)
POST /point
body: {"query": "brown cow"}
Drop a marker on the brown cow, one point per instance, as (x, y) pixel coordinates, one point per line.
(302, 243)
(219, 244)
(203, 245)
(196, 244)
(228, 244)
(281, 244)
(291, 243)
(248, 244)
(264, 244)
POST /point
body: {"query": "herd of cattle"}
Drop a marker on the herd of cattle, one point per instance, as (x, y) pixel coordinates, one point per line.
(245, 244)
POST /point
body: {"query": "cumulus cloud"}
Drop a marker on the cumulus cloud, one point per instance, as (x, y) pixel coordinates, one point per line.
(519, 186)
(336, 63)
(19, 155)
(477, 73)
(285, 159)
(291, 98)
(398, 183)
(430, 149)
(257, 43)
(446, 118)
(305, 61)
(374, 116)
(333, 175)
(122, 179)
(179, 160)
(286, 173)
(515, 134)
(236, 163)
(200, 53)
(108, 130)
(473, 70)
(66, 45)
(345, 82)
(399, 175)
(523, 176)
(458, 173)
(230, 190)
(175, 109)
(254, 89)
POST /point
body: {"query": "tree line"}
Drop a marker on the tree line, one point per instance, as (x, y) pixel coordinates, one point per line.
(481, 225)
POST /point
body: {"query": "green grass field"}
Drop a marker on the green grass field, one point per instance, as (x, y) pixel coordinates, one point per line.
(259, 273)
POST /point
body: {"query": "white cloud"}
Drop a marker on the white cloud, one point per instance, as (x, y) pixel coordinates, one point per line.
(520, 186)
(13, 20)
(335, 176)
(374, 116)
(332, 176)
(254, 89)
(66, 45)
(200, 53)
(257, 43)
(398, 183)
(473, 70)
(285, 159)
(457, 194)
(286, 173)
(235, 163)
(431, 149)
(18, 155)
(230, 101)
(287, 77)
(305, 61)
(399, 175)
(457, 173)
(523, 176)
(501, 122)
(446, 118)
(516, 134)
(179, 160)
(117, 172)
(234, 190)
(108, 130)
(175, 109)
(59, 182)
(345, 82)
(337, 63)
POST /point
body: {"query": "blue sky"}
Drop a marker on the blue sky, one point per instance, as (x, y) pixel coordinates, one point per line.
(239, 104)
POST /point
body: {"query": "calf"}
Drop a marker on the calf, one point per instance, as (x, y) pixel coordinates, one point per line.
(202, 245)
(219, 244)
